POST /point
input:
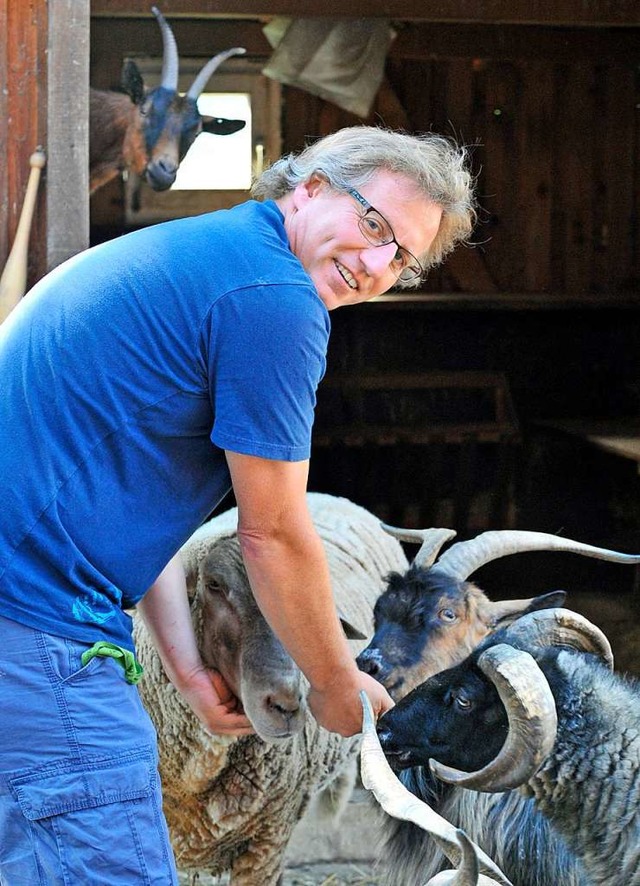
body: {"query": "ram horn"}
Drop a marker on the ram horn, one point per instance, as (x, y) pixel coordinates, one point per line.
(561, 627)
(466, 557)
(397, 801)
(468, 874)
(430, 541)
(205, 74)
(533, 721)
(170, 62)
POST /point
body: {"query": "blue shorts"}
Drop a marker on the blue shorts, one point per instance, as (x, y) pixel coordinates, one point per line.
(80, 799)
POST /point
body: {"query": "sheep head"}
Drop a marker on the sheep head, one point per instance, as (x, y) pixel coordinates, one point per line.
(235, 639)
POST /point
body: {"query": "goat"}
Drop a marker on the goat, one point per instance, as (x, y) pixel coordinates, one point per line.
(148, 132)
(536, 707)
(427, 620)
(396, 801)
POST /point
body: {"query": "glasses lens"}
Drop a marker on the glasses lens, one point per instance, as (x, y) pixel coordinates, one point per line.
(375, 228)
(407, 267)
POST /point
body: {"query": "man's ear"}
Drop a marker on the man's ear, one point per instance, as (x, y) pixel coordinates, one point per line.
(308, 189)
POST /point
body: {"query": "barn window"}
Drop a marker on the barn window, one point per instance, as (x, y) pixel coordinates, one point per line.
(217, 171)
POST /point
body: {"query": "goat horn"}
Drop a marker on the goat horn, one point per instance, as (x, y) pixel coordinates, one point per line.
(170, 63)
(468, 874)
(399, 802)
(560, 627)
(430, 541)
(203, 77)
(533, 721)
(465, 557)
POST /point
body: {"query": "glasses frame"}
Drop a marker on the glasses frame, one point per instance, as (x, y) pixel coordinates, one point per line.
(408, 274)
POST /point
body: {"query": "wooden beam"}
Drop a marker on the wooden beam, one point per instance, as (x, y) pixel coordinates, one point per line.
(23, 43)
(436, 40)
(68, 127)
(615, 13)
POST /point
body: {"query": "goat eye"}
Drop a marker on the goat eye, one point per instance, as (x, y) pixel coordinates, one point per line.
(447, 615)
(462, 702)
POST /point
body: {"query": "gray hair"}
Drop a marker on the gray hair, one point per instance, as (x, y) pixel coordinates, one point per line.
(352, 156)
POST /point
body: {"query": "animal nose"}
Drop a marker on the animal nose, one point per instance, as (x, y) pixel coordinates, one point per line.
(281, 704)
(384, 737)
(369, 662)
(161, 174)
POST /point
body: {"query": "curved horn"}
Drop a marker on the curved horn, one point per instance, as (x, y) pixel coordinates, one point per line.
(468, 874)
(531, 709)
(398, 802)
(465, 557)
(170, 63)
(430, 541)
(203, 77)
(561, 627)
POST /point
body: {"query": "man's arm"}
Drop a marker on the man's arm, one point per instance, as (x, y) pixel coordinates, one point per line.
(165, 610)
(289, 576)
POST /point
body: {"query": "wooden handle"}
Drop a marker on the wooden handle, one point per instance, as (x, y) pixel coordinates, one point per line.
(13, 282)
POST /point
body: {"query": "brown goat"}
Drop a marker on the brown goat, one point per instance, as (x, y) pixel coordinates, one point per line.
(148, 132)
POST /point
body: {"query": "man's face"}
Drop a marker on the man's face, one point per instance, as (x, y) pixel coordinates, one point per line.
(324, 234)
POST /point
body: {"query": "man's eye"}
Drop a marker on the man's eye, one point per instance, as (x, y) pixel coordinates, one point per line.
(373, 226)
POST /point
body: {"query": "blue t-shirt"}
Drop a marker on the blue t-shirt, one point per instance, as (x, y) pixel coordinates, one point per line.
(124, 375)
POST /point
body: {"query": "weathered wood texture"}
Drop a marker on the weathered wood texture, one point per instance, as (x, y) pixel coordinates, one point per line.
(23, 124)
(553, 123)
(550, 12)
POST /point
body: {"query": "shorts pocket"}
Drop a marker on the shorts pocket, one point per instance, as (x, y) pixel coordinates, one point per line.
(97, 821)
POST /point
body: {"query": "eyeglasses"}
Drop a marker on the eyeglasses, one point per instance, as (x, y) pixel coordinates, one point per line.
(377, 231)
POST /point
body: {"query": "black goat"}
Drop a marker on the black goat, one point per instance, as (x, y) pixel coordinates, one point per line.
(536, 705)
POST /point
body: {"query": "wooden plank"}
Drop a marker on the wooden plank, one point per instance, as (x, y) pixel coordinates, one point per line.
(21, 123)
(419, 40)
(532, 193)
(112, 40)
(68, 127)
(548, 12)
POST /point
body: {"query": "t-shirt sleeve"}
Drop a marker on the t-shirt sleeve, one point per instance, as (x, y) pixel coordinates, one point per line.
(266, 354)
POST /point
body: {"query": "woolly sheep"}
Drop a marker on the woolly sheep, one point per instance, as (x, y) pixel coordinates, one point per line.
(232, 803)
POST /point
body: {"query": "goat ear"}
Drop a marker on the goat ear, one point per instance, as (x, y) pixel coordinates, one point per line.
(552, 600)
(220, 126)
(503, 612)
(131, 81)
(350, 631)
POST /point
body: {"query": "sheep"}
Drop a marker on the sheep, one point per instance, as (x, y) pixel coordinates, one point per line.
(148, 132)
(425, 621)
(537, 707)
(232, 803)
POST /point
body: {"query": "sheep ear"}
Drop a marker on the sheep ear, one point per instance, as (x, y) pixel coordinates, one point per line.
(351, 632)
(131, 81)
(190, 565)
(503, 612)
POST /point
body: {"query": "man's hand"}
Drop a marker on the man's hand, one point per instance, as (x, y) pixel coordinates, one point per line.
(214, 704)
(339, 708)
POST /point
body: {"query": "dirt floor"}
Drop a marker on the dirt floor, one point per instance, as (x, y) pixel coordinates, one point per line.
(322, 874)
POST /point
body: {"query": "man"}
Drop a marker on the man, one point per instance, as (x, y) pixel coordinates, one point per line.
(141, 380)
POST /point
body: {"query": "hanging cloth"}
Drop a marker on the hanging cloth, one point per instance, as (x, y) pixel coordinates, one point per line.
(339, 61)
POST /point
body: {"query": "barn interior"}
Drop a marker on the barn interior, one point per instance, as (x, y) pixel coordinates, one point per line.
(504, 392)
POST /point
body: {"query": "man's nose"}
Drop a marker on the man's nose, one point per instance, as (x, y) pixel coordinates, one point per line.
(376, 259)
